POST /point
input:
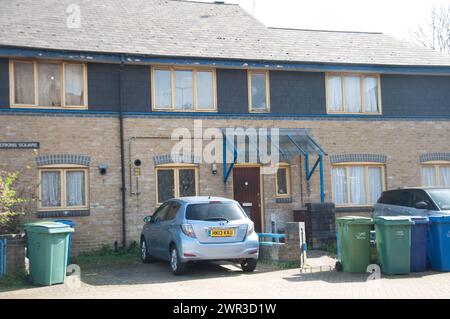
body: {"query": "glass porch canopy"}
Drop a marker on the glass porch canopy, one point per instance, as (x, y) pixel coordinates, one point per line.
(252, 145)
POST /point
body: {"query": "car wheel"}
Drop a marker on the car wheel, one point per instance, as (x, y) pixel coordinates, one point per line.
(177, 267)
(338, 266)
(145, 257)
(248, 265)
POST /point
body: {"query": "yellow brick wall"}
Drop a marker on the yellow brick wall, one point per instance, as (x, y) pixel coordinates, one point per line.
(401, 141)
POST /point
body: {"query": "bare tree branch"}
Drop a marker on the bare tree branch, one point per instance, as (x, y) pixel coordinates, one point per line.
(435, 34)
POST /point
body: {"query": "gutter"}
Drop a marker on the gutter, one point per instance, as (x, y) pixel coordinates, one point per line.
(122, 157)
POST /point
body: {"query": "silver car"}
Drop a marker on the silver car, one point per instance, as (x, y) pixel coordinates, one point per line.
(192, 229)
(422, 201)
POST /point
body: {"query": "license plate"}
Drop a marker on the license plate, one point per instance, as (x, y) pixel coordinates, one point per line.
(220, 232)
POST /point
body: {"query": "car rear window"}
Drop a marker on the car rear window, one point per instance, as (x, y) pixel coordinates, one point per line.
(211, 211)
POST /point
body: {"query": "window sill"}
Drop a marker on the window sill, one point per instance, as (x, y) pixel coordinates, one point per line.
(63, 213)
(354, 113)
(49, 107)
(184, 110)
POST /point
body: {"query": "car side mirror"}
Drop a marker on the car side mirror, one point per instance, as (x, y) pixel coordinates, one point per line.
(422, 205)
(148, 219)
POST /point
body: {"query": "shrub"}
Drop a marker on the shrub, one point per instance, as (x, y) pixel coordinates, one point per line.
(12, 205)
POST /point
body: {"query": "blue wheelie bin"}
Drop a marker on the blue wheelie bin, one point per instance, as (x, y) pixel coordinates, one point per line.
(439, 242)
(419, 237)
(72, 224)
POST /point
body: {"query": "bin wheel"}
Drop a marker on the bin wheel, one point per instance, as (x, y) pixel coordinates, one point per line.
(338, 266)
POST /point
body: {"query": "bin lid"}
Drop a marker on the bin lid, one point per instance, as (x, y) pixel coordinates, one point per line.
(420, 220)
(393, 220)
(442, 219)
(48, 227)
(66, 222)
(355, 220)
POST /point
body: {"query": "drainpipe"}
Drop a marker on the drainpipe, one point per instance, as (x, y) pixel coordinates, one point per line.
(122, 157)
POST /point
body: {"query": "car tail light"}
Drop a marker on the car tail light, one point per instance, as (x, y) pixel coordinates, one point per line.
(250, 229)
(188, 230)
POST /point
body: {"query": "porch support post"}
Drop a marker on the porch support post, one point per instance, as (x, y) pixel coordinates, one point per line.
(322, 187)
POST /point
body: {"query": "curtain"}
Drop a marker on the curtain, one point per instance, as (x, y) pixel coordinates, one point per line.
(339, 186)
(353, 94)
(49, 84)
(51, 189)
(445, 176)
(23, 83)
(75, 189)
(73, 82)
(428, 176)
(205, 95)
(184, 90)
(357, 185)
(259, 101)
(375, 184)
(371, 94)
(163, 89)
(334, 88)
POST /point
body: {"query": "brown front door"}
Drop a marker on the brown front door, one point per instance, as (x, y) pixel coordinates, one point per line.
(246, 187)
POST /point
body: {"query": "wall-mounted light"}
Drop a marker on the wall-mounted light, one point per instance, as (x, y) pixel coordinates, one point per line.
(214, 168)
(103, 168)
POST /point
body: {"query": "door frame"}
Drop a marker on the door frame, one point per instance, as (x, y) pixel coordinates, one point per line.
(261, 189)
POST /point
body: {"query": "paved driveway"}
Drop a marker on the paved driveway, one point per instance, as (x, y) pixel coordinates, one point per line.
(136, 280)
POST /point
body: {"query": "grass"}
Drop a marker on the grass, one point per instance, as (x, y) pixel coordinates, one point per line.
(13, 282)
(107, 255)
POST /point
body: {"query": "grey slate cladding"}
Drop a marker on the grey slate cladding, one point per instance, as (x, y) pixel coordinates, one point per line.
(169, 159)
(343, 158)
(434, 157)
(42, 160)
(4, 83)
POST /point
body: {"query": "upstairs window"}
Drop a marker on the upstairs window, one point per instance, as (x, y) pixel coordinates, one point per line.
(180, 89)
(436, 174)
(353, 93)
(258, 91)
(48, 84)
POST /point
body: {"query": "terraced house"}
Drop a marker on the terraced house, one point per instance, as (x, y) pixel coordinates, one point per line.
(91, 91)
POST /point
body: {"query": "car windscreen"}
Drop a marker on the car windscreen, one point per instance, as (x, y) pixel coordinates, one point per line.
(214, 211)
(441, 197)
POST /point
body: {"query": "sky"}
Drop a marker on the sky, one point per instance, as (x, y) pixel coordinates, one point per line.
(394, 17)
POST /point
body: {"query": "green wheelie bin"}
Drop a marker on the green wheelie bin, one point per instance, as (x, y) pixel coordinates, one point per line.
(393, 238)
(354, 243)
(47, 247)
